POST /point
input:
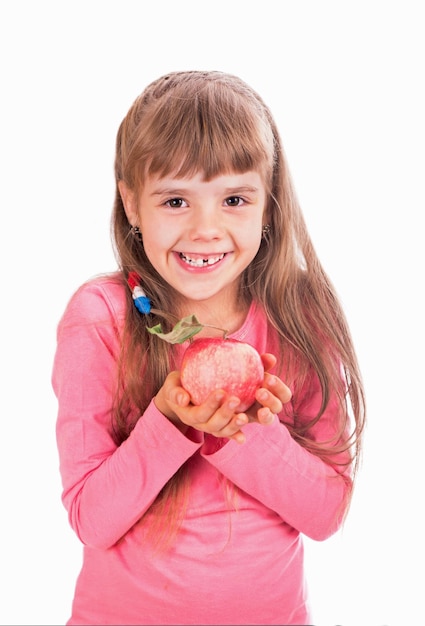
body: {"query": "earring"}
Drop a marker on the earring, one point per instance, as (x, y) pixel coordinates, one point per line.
(265, 231)
(135, 231)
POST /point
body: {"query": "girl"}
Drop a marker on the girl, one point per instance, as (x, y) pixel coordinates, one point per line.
(195, 514)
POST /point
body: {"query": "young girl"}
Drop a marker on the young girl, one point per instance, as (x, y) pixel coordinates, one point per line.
(195, 514)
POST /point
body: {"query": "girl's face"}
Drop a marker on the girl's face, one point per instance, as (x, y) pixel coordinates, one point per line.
(200, 235)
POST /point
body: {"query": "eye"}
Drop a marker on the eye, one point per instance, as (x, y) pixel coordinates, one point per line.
(175, 203)
(234, 201)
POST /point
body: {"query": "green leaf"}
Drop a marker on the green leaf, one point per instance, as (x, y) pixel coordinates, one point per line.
(185, 329)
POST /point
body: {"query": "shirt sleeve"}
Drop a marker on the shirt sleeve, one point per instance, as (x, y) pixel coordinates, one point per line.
(106, 488)
(308, 493)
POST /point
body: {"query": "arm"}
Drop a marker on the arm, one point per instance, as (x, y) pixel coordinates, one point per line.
(106, 489)
(307, 493)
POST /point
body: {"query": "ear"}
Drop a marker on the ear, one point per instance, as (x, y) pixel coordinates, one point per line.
(128, 198)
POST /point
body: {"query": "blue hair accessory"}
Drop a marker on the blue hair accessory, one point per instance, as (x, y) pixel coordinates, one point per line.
(141, 301)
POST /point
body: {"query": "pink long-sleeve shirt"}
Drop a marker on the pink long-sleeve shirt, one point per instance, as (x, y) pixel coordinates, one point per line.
(233, 562)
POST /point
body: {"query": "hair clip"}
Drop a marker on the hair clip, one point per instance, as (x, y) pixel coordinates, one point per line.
(142, 302)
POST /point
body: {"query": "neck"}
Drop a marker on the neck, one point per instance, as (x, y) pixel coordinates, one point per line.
(227, 316)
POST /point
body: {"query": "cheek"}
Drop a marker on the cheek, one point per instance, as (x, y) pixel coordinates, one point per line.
(152, 248)
(251, 240)
(157, 244)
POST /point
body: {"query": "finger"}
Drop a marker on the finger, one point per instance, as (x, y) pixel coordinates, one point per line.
(268, 401)
(205, 417)
(239, 437)
(232, 429)
(224, 422)
(265, 416)
(215, 402)
(277, 387)
(174, 392)
(269, 361)
(273, 394)
(180, 397)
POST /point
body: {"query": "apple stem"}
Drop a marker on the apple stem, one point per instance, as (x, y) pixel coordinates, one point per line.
(184, 330)
(223, 330)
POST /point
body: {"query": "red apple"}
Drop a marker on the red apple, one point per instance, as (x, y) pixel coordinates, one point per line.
(218, 363)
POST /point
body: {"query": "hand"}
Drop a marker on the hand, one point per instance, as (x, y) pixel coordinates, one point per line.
(271, 396)
(217, 415)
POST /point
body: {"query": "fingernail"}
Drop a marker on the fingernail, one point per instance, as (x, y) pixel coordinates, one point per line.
(262, 396)
(269, 418)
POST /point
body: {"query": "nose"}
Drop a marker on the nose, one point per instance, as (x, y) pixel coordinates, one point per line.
(206, 225)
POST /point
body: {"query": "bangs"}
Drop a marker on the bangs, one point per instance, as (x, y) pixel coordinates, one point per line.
(212, 129)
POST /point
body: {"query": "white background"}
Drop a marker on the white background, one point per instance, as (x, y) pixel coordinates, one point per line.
(345, 82)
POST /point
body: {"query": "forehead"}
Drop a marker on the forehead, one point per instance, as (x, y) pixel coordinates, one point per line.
(230, 182)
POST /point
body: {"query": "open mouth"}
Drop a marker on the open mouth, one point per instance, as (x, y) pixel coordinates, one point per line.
(201, 261)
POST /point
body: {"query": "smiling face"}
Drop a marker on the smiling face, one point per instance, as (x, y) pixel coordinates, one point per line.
(200, 235)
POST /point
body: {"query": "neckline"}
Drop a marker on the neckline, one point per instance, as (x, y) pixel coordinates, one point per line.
(244, 330)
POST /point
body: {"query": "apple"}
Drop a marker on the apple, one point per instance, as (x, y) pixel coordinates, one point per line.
(218, 363)
(212, 363)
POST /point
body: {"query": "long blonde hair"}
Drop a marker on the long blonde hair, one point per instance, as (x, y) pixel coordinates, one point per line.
(214, 123)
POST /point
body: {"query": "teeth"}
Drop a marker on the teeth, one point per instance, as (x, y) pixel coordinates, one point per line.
(199, 262)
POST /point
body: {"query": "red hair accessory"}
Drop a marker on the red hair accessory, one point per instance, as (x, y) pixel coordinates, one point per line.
(142, 302)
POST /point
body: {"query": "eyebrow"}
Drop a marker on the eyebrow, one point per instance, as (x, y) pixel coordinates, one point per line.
(181, 191)
(243, 188)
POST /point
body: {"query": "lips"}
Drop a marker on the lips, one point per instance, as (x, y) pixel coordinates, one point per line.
(201, 261)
